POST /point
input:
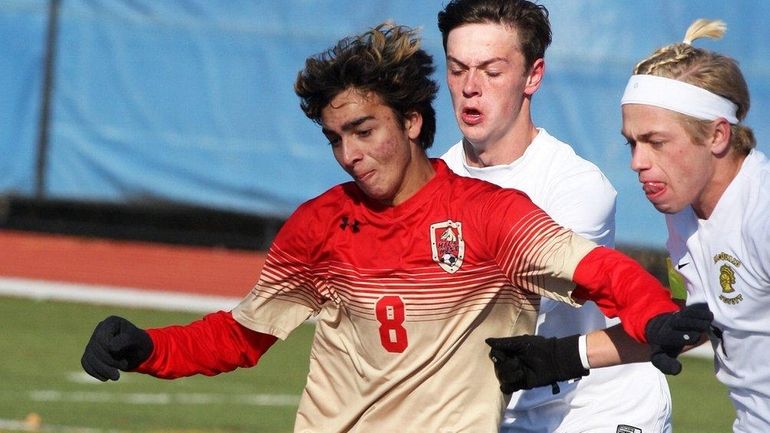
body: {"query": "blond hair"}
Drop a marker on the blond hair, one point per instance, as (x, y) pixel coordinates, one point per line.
(706, 69)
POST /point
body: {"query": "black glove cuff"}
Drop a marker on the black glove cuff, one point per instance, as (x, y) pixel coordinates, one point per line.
(655, 326)
(143, 350)
(567, 355)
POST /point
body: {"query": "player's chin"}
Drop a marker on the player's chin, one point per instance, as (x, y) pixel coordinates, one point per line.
(475, 135)
(666, 207)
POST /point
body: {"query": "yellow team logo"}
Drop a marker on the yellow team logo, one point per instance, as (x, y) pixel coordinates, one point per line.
(727, 278)
(447, 245)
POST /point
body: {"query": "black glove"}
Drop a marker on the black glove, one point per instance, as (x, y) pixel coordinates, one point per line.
(529, 361)
(668, 333)
(116, 344)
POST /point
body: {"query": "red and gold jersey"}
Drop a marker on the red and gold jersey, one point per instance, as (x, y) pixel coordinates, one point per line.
(404, 297)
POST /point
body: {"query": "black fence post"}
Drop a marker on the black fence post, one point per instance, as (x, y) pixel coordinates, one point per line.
(47, 91)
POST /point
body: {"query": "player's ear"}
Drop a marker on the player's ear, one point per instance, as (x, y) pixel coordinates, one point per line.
(535, 77)
(413, 124)
(719, 140)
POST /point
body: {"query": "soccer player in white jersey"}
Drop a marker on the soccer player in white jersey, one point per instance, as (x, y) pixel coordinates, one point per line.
(682, 115)
(494, 54)
(696, 161)
(407, 268)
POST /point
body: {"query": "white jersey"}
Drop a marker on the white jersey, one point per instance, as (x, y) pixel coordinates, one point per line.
(725, 261)
(575, 193)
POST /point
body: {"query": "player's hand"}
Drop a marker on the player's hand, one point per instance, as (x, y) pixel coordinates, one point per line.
(668, 333)
(116, 344)
(530, 361)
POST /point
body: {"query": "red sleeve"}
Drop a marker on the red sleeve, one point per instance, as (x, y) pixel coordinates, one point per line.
(621, 287)
(212, 345)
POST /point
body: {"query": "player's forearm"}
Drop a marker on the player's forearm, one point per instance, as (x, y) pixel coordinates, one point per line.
(212, 345)
(612, 346)
(621, 287)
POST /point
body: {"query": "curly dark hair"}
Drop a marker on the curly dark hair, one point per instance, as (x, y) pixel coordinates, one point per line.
(386, 60)
(530, 21)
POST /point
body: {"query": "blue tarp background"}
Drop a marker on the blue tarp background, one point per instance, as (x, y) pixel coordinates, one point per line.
(191, 101)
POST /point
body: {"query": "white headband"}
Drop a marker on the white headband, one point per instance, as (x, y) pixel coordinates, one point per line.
(678, 96)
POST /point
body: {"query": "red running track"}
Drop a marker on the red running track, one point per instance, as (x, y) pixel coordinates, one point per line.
(141, 265)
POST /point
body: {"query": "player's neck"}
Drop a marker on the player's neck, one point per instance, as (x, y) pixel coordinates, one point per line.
(725, 170)
(503, 151)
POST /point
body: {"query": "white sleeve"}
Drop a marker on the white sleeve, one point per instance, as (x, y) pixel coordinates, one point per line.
(585, 204)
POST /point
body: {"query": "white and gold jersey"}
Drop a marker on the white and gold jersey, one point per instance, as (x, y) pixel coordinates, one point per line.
(725, 261)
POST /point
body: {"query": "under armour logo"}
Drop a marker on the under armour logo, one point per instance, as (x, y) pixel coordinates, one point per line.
(353, 227)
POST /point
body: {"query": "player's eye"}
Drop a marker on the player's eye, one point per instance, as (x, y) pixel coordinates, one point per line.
(657, 143)
(334, 141)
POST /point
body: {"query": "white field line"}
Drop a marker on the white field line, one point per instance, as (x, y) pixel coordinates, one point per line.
(26, 426)
(112, 295)
(48, 395)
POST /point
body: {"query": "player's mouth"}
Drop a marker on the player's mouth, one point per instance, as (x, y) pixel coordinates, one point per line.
(363, 177)
(653, 190)
(471, 116)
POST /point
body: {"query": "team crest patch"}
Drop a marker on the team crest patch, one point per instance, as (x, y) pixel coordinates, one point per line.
(729, 294)
(447, 245)
(622, 428)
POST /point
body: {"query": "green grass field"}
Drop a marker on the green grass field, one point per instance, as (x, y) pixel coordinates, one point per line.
(41, 343)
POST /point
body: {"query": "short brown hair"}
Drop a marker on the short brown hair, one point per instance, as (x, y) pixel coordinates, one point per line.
(529, 20)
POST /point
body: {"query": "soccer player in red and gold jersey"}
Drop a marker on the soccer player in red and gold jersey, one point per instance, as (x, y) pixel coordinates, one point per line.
(407, 269)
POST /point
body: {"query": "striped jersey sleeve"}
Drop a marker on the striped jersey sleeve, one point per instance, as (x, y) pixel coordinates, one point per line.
(288, 284)
(538, 255)
(541, 257)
